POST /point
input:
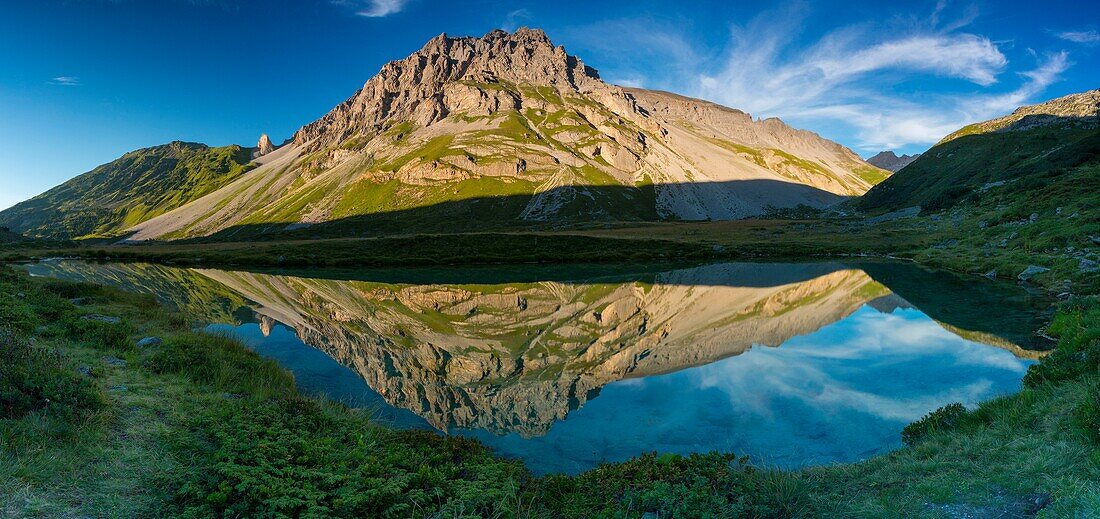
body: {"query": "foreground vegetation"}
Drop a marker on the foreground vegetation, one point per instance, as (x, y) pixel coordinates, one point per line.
(194, 425)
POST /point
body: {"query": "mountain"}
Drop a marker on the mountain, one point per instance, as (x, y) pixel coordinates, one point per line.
(1045, 154)
(891, 162)
(137, 186)
(509, 129)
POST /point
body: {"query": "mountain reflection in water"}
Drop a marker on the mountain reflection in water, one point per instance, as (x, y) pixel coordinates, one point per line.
(567, 373)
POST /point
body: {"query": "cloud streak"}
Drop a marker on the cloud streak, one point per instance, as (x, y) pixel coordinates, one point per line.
(374, 8)
(906, 84)
(65, 81)
(1080, 36)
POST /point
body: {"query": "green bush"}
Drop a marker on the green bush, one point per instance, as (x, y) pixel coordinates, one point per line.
(105, 336)
(700, 485)
(289, 457)
(223, 363)
(945, 418)
(1078, 350)
(34, 379)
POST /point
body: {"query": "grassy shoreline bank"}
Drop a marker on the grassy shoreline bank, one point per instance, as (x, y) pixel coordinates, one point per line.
(933, 243)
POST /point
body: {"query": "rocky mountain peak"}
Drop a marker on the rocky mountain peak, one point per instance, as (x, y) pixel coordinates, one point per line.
(425, 87)
(890, 161)
(263, 147)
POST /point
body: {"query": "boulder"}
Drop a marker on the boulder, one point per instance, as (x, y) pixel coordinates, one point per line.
(1088, 266)
(102, 318)
(1030, 272)
(149, 341)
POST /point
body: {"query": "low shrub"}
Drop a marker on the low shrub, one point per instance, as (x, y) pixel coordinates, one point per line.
(1078, 350)
(101, 335)
(34, 379)
(289, 457)
(700, 485)
(945, 418)
(223, 363)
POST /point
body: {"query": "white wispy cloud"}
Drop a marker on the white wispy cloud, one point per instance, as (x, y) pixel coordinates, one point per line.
(373, 8)
(846, 81)
(1080, 36)
(514, 18)
(65, 81)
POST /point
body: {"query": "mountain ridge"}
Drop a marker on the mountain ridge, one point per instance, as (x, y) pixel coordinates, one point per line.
(890, 161)
(466, 121)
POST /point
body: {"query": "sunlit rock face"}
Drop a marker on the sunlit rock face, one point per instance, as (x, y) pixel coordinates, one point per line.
(511, 115)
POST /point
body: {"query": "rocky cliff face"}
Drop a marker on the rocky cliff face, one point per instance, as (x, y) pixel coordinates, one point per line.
(513, 122)
(263, 147)
(889, 161)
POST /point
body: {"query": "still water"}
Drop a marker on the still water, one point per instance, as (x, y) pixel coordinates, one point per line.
(793, 364)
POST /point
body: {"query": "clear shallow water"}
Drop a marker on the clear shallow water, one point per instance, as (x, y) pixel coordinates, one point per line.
(566, 367)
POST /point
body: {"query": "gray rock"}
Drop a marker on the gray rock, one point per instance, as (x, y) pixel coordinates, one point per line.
(1095, 240)
(1033, 217)
(102, 318)
(115, 361)
(1030, 272)
(992, 274)
(1088, 266)
(81, 301)
(85, 370)
(149, 341)
(118, 388)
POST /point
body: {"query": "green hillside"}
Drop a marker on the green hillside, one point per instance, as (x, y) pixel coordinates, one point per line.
(131, 189)
(976, 167)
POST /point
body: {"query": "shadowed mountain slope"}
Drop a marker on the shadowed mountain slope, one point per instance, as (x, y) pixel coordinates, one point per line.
(1035, 146)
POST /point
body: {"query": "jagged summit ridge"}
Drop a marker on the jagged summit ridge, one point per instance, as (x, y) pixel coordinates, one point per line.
(890, 161)
(426, 86)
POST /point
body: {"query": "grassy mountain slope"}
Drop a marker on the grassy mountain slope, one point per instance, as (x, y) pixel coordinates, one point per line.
(138, 186)
(1003, 195)
(1035, 145)
(977, 166)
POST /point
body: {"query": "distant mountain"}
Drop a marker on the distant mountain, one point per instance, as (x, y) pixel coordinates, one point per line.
(891, 162)
(508, 130)
(137, 186)
(1043, 154)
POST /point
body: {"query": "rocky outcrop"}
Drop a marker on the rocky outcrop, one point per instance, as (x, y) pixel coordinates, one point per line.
(263, 147)
(889, 161)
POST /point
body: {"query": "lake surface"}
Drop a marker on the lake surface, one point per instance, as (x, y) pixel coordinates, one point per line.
(794, 364)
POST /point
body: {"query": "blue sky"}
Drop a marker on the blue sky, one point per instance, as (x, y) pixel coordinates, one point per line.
(83, 81)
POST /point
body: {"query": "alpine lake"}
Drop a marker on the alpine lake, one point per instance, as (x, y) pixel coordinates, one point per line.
(568, 366)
